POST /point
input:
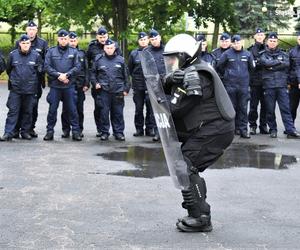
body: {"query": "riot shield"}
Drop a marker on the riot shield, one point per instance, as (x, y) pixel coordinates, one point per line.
(171, 146)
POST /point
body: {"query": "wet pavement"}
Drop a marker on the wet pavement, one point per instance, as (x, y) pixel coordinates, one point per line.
(117, 195)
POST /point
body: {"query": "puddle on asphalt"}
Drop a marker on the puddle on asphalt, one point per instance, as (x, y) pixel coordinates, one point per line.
(150, 162)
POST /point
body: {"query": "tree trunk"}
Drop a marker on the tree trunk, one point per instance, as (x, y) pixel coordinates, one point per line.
(13, 33)
(39, 17)
(215, 34)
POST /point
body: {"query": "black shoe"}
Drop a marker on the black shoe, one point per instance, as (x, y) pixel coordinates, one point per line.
(81, 135)
(273, 134)
(26, 136)
(237, 132)
(293, 135)
(16, 135)
(156, 138)
(191, 224)
(76, 137)
(104, 137)
(252, 131)
(66, 134)
(264, 130)
(120, 137)
(138, 133)
(98, 134)
(49, 137)
(6, 137)
(33, 134)
(150, 132)
(245, 135)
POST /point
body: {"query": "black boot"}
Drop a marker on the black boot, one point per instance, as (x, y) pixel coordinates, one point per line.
(49, 136)
(198, 219)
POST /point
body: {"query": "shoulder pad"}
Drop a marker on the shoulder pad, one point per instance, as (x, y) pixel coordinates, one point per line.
(94, 41)
(261, 52)
(53, 47)
(214, 50)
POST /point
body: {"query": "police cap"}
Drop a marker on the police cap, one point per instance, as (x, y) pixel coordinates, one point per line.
(153, 33)
(142, 34)
(259, 30)
(24, 38)
(109, 42)
(236, 38)
(72, 35)
(101, 31)
(201, 37)
(224, 36)
(273, 35)
(31, 24)
(62, 33)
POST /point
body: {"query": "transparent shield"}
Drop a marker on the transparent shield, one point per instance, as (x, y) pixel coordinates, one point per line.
(171, 146)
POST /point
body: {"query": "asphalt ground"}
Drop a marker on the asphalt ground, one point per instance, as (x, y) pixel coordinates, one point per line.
(59, 195)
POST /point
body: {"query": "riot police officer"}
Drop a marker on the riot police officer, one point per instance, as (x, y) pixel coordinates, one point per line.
(62, 66)
(81, 86)
(224, 44)
(96, 48)
(204, 54)
(140, 94)
(256, 88)
(204, 121)
(156, 48)
(294, 78)
(235, 65)
(275, 64)
(110, 78)
(39, 45)
(23, 67)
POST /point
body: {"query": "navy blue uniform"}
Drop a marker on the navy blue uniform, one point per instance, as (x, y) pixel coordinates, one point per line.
(235, 66)
(41, 46)
(256, 90)
(82, 80)
(95, 48)
(23, 70)
(294, 80)
(275, 74)
(217, 53)
(140, 95)
(62, 60)
(111, 73)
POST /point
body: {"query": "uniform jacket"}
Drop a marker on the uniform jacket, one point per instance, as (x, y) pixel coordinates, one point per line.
(275, 68)
(111, 73)
(63, 60)
(235, 67)
(256, 50)
(157, 53)
(135, 70)
(82, 78)
(23, 70)
(294, 71)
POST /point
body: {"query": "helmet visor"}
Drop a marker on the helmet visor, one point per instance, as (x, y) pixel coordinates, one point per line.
(171, 63)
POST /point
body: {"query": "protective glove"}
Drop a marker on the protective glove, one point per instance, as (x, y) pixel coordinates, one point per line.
(177, 76)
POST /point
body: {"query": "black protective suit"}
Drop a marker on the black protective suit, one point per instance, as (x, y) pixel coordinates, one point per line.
(204, 133)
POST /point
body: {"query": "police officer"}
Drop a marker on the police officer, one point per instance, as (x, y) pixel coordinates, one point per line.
(110, 78)
(235, 65)
(224, 44)
(39, 45)
(140, 94)
(294, 78)
(96, 48)
(275, 64)
(23, 68)
(256, 89)
(81, 86)
(156, 48)
(204, 54)
(204, 121)
(62, 66)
